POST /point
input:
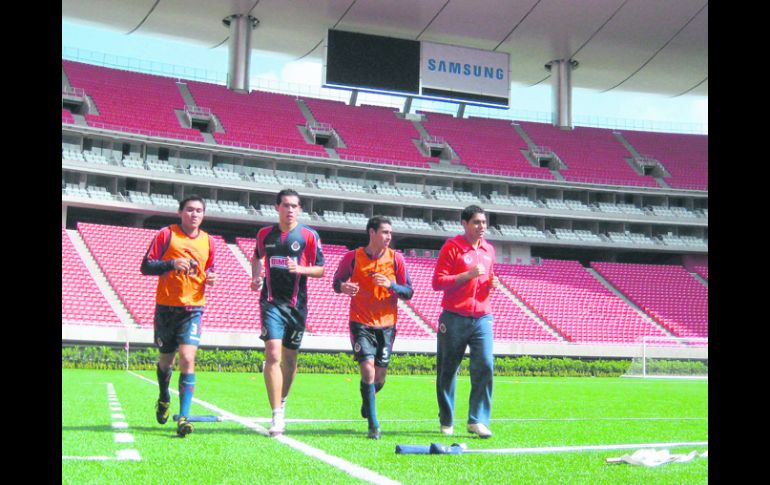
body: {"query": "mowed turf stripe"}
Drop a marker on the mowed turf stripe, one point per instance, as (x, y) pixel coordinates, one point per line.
(339, 463)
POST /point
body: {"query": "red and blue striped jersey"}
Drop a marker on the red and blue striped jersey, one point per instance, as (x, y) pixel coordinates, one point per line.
(303, 244)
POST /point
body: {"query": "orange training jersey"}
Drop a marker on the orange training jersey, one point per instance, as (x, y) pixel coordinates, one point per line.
(176, 288)
(373, 305)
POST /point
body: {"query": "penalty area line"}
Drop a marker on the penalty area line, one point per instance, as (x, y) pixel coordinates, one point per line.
(337, 462)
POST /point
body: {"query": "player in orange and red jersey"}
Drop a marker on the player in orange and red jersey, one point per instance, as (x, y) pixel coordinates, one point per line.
(375, 277)
(182, 256)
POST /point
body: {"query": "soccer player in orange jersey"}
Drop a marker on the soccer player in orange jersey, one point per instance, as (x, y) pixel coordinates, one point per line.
(182, 256)
(374, 277)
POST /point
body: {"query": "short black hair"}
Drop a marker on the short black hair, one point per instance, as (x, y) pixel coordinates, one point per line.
(375, 222)
(470, 211)
(287, 193)
(190, 197)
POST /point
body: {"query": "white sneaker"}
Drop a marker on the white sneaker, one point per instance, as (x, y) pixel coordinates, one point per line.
(448, 430)
(480, 430)
(278, 427)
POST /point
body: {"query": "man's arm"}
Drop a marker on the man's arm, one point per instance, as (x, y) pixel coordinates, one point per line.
(256, 272)
(344, 272)
(403, 284)
(152, 264)
(443, 278)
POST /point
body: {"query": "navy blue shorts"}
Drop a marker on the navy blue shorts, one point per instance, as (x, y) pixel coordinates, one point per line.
(282, 323)
(175, 325)
(372, 343)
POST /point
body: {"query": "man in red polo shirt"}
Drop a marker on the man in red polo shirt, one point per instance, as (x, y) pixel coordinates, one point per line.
(375, 277)
(464, 273)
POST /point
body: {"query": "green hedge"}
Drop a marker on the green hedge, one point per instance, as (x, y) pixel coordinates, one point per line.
(105, 357)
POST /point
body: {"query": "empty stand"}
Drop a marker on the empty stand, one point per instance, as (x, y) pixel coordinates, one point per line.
(131, 101)
(267, 120)
(576, 304)
(230, 305)
(591, 154)
(371, 133)
(82, 302)
(328, 312)
(485, 145)
(667, 293)
(684, 156)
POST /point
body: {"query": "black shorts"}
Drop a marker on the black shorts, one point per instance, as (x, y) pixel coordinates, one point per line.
(372, 343)
(282, 323)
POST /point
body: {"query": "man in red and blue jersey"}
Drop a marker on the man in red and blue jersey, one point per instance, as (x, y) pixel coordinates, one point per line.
(374, 277)
(289, 252)
(464, 273)
(182, 256)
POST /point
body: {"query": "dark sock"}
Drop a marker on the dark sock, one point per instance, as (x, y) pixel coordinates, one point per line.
(367, 393)
(378, 386)
(186, 391)
(164, 378)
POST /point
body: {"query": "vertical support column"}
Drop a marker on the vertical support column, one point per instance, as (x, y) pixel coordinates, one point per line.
(407, 104)
(353, 97)
(239, 51)
(561, 80)
(460, 110)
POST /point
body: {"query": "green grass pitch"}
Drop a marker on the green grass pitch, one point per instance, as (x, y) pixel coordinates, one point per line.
(527, 412)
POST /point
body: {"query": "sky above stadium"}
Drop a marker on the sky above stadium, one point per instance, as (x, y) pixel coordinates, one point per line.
(86, 43)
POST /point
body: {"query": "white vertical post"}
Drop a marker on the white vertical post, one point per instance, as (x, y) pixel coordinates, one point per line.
(644, 356)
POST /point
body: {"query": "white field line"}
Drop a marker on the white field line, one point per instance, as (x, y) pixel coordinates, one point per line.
(125, 454)
(344, 465)
(259, 419)
(560, 449)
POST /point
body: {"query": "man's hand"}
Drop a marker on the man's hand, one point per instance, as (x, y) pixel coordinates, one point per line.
(256, 283)
(293, 267)
(211, 278)
(381, 280)
(349, 288)
(477, 271)
(495, 281)
(182, 264)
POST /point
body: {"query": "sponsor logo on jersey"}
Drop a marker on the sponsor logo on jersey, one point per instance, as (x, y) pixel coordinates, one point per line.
(279, 262)
(269, 245)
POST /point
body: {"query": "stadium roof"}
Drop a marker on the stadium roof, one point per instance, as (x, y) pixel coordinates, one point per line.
(652, 46)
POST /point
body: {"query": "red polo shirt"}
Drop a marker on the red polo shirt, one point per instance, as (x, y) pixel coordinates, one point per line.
(470, 299)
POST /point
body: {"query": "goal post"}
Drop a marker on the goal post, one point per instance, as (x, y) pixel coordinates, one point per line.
(661, 357)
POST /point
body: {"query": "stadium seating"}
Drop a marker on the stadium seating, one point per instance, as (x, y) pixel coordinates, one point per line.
(82, 302)
(667, 293)
(66, 116)
(592, 155)
(119, 251)
(371, 133)
(577, 305)
(484, 145)
(266, 120)
(131, 101)
(328, 312)
(684, 156)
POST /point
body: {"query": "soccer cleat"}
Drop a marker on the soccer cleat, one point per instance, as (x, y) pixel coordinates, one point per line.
(448, 430)
(184, 427)
(161, 411)
(479, 429)
(278, 427)
(373, 434)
